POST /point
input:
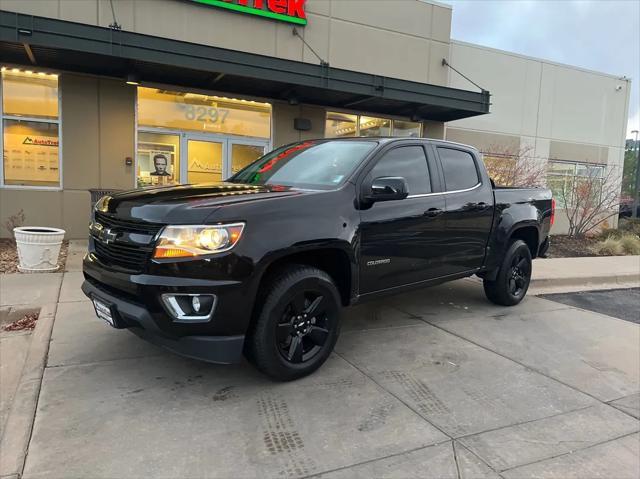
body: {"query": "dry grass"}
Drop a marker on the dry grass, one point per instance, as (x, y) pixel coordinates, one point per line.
(628, 244)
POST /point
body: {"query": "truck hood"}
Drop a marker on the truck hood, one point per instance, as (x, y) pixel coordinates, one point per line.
(189, 204)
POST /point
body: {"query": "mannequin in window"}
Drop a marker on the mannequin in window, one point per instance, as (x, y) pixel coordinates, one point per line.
(160, 164)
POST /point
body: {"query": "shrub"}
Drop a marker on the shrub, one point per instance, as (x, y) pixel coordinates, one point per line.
(610, 233)
(630, 225)
(630, 244)
(616, 246)
(609, 247)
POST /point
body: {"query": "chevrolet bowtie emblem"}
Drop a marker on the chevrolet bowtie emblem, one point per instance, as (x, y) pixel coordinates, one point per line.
(105, 235)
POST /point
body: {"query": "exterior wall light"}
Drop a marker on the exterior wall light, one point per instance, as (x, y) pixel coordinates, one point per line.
(133, 79)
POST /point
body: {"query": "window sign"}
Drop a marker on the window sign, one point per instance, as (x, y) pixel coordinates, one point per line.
(30, 129)
(291, 11)
(203, 113)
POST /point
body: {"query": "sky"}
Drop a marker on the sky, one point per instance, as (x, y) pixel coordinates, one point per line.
(601, 35)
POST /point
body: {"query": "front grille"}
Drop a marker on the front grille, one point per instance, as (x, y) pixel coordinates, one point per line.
(128, 225)
(130, 256)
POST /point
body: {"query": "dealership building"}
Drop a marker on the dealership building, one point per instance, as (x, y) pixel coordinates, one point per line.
(101, 95)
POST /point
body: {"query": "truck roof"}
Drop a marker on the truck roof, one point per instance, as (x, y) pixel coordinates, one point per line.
(389, 139)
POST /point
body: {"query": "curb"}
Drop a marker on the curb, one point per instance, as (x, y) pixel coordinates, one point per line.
(579, 283)
(17, 432)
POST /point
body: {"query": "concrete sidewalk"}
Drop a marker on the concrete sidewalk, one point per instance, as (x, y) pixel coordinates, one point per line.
(581, 274)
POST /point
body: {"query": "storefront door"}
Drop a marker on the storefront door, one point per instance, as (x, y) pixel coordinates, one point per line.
(207, 158)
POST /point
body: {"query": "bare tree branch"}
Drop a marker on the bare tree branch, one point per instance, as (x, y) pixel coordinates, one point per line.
(514, 166)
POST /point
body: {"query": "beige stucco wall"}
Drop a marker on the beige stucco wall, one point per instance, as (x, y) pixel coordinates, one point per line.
(283, 118)
(411, 35)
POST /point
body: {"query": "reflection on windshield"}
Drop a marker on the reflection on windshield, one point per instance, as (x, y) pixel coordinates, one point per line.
(320, 164)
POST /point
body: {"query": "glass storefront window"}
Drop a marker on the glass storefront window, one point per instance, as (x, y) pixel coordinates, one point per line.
(409, 129)
(204, 161)
(370, 126)
(29, 94)
(30, 129)
(244, 155)
(564, 179)
(339, 125)
(158, 159)
(203, 113)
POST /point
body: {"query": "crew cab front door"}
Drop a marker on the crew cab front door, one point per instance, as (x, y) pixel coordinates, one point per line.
(401, 240)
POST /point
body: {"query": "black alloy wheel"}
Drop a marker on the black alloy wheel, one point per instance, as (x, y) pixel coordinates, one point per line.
(513, 277)
(297, 325)
(304, 328)
(519, 274)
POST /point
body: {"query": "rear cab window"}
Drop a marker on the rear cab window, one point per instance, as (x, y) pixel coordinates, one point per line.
(459, 168)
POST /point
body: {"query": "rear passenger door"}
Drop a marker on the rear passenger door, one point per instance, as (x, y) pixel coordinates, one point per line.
(401, 241)
(469, 209)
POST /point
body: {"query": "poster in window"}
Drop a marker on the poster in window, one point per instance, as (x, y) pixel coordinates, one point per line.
(156, 164)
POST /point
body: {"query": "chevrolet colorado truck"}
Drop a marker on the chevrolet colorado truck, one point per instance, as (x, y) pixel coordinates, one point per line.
(263, 263)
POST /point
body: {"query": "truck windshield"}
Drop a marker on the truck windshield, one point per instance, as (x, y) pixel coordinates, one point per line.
(321, 164)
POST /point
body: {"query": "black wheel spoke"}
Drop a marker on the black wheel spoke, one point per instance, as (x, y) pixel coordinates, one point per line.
(284, 331)
(298, 303)
(520, 282)
(295, 350)
(314, 308)
(512, 286)
(318, 335)
(522, 264)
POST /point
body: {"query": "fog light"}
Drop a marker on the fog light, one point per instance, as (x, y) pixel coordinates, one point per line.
(195, 302)
(189, 307)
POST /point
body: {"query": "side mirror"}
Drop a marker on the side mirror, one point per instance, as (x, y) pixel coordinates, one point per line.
(388, 188)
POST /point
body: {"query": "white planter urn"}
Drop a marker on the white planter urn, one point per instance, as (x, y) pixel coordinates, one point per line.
(38, 248)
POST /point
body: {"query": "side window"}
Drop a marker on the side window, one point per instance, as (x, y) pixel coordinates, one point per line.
(459, 169)
(409, 162)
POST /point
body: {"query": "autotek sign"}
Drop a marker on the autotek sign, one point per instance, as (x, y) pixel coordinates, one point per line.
(291, 11)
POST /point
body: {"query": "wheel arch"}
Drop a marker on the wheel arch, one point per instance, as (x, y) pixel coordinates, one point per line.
(529, 234)
(336, 260)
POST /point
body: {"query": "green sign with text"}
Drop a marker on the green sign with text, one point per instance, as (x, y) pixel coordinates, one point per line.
(291, 11)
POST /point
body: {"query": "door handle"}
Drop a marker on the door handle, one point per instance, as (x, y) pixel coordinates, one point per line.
(482, 206)
(433, 212)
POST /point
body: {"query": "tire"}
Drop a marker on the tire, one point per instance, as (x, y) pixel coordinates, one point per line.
(513, 278)
(298, 324)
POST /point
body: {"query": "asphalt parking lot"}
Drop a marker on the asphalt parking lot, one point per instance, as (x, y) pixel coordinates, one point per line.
(437, 383)
(619, 303)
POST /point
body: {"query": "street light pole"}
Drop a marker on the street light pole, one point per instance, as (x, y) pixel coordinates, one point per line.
(636, 190)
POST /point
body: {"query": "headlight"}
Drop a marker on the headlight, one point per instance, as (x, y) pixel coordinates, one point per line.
(188, 241)
(102, 204)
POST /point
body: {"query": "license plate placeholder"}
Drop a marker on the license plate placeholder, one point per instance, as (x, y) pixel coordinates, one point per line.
(103, 311)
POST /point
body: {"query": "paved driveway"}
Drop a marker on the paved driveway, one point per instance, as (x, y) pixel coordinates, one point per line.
(436, 383)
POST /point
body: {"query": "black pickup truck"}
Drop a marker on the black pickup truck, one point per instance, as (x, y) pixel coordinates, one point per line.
(263, 263)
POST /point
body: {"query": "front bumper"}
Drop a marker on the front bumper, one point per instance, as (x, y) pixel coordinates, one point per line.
(133, 316)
